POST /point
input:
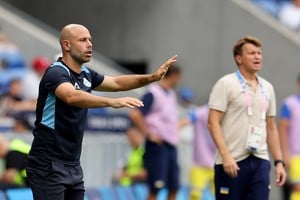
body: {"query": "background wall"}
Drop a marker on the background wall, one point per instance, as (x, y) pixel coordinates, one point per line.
(202, 32)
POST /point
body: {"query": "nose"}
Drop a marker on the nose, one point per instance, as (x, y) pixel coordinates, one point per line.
(89, 43)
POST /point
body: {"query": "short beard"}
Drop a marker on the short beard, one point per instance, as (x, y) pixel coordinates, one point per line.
(79, 59)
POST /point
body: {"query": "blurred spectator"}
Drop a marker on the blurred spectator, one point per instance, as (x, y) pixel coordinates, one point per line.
(201, 174)
(10, 56)
(290, 15)
(271, 6)
(22, 123)
(32, 77)
(289, 132)
(133, 172)
(185, 107)
(14, 152)
(12, 102)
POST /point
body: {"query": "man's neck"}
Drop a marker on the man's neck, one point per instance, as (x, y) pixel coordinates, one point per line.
(164, 84)
(249, 76)
(72, 64)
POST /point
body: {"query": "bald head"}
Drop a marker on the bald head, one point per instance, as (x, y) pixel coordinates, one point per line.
(70, 30)
(76, 44)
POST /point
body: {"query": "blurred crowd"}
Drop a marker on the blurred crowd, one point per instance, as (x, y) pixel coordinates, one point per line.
(19, 83)
(286, 11)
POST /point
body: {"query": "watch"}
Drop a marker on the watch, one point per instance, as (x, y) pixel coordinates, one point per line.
(276, 162)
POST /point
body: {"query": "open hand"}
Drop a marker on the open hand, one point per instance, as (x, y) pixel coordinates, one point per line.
(128, 102)
(162, 70)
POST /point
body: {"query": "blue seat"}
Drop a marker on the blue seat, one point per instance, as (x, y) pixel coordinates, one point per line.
(107, 193)
(2, 195)
(17, 194)
(207, 194)
(125, 193)
(183, 193)
(140, 191)
(162, 194)
(92, 194)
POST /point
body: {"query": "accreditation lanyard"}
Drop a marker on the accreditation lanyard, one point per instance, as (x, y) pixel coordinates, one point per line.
(248, 99)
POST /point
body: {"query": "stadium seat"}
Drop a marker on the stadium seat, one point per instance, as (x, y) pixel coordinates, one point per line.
(107, 193)
(2, 195)
(162, 194)
(92, 194)
(183, 193)
(17, 194)
(125, 193)
(140, 191)
(207, 194)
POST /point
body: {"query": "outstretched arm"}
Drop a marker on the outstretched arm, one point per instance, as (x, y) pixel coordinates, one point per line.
(67, 93)
(128, 82)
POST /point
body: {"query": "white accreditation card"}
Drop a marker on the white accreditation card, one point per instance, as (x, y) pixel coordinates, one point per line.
(255, 136)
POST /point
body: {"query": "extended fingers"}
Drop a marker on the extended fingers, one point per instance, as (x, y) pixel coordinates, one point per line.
(133, 102)
(171, 61)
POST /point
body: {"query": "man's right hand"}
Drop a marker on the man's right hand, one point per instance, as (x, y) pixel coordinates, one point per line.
(230, 166)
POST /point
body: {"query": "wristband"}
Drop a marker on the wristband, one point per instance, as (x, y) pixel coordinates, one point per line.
(276, 162)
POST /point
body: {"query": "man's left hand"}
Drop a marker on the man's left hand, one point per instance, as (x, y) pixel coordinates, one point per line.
(280, 174)
(162, 70)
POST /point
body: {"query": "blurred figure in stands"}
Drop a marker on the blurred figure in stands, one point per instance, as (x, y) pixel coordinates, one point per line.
(185, 107)
(10, 56)
(14, 153)
(133, 171)
(271, 6)
(290, 15)
(12, 102)
(32, 78)
(22, 123)
(289, 126)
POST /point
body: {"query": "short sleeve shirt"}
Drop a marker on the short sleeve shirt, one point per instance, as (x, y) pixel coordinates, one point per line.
(59, 127)
(228, 96)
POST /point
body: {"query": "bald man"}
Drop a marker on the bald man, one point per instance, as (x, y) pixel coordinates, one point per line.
(54, 170)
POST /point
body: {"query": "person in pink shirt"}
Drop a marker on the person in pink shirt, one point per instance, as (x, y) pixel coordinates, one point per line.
(201, 174)
(289, 126)
(158, 121)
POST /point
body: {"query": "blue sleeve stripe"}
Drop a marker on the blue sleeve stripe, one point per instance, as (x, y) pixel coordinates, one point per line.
(61, 65)
(48, 118)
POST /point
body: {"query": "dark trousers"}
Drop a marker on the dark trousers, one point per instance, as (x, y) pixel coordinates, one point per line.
(161, 163)
(57, 180)
(252, 182)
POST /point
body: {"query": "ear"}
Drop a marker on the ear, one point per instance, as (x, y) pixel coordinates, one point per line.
(66, 45)
(238, 59)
